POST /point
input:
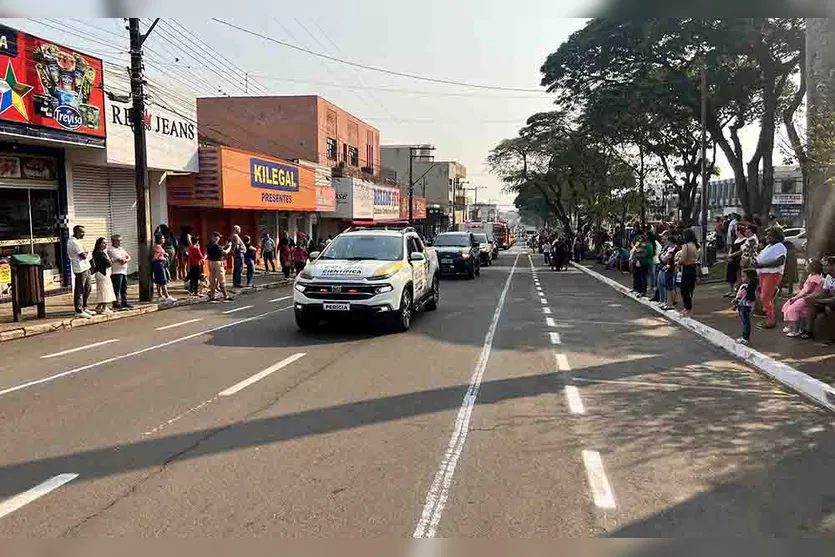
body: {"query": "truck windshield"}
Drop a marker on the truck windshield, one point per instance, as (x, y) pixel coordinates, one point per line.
(356, 248)
(481, 238)
(452, 240)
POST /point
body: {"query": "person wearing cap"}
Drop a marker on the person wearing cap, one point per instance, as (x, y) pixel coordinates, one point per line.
(216, 253)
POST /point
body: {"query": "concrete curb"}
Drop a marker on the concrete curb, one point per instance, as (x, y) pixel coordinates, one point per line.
(34, 329)
(816, 391)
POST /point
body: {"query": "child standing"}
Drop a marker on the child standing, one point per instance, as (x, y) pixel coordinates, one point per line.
(195, 266)
(299, 257)
(159, 263)
(744, 302)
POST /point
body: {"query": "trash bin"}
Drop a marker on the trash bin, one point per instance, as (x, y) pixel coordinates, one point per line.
(27, 284)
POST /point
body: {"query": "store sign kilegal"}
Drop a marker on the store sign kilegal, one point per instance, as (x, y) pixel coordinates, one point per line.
(170, 132)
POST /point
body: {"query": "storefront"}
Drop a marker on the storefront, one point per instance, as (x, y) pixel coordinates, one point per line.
(51, 99)
(233, 187)
(354, 203)
(103, 185)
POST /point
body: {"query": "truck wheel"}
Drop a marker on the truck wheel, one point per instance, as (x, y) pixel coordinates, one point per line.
(402, 319)
(433, 302)
(305, 322)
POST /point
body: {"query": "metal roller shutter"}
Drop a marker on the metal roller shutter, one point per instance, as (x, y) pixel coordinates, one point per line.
(91, 197)
(123, 212)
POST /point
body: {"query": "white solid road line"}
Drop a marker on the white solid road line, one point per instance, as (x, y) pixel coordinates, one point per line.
(80, 348)
(555, 337)
(774, 392)
(11, 505)
(575, 403)
(543, 301)
(180, 324)
(237, 309)
(562, 362)
(261, 374)
(546, 311)
(281, 299)
(549, 322)
(601, 490)
(438, 493)
(87, 367)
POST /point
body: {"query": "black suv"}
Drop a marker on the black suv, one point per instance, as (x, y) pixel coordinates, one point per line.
(458, 253)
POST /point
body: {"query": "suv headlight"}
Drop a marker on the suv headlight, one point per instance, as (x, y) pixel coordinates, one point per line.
(383, 289)
(465, 253)
(300, 286)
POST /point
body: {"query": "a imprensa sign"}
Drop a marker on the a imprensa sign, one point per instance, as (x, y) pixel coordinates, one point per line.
(273, 176)
(170, 128)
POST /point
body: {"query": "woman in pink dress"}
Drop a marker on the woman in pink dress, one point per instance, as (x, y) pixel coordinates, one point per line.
(799, 308)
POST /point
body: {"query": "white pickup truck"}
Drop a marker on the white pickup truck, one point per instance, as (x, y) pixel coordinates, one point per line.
(383, 274)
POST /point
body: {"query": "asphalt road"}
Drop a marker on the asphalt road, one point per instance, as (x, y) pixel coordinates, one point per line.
(532, 403)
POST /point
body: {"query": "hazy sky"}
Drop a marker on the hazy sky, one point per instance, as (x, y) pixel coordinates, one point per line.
(488, 42)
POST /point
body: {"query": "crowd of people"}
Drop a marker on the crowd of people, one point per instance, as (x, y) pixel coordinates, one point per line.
(181, 257)
(557, 249)
(664, 262)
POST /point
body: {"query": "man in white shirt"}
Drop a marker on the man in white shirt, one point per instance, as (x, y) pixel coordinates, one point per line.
(80, 261)
(119, 272)
(770, 264)
(731, 236)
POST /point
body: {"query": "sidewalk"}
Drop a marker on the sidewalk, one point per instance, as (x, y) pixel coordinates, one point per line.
(710, 308)
(60, 313)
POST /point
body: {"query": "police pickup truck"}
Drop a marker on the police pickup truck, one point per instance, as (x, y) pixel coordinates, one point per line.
(383, 274)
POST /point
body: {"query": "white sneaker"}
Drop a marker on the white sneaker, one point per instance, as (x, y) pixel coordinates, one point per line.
(89, 314)
(108, 311)
(742, 341)
(83, 315)
(787, 330)
(171, 299)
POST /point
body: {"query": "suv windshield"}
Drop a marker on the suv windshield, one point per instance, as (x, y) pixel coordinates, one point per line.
(355, 248)
(453, 240)
(480, 238)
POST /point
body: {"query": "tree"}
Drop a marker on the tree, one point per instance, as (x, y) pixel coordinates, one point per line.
(749, 64)
(572, 176)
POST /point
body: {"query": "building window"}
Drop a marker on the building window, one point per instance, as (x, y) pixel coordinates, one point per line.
(788, 185)
(331, 149)
(369, 153)
(353, 156)
(344, 152)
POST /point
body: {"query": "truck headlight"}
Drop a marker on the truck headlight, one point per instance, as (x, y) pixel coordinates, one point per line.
(383, 289)
(465, 254)
(300, 286)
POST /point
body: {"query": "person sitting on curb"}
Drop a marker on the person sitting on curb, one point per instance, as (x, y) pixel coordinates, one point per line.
(824, 302)
(798, 310)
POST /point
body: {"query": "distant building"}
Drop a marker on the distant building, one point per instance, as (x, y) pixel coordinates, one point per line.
(438, 181)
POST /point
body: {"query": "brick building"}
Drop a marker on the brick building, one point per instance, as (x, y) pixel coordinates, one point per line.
(293, 127)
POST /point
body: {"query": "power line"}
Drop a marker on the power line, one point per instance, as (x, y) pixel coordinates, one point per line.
(219, 56)
(373, 68)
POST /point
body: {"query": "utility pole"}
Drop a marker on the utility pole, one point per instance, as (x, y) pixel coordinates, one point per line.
(704, 158)
(143, 193)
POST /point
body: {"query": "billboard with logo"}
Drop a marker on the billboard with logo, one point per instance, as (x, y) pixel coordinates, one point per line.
(386, 203)
(354, 200)
(49, 91)
(418, 207)
(170, 133)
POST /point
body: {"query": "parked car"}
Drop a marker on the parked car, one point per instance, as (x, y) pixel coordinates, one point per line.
(486, 247)
(794, 234)
(383, 274)
(459, 253)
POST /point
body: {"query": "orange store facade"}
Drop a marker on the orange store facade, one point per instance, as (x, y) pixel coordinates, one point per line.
(256, 192)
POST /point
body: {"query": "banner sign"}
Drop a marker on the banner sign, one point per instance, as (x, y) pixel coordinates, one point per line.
(386, 203)
(418, 207)
(49, 91)
(170, 136)
(272, 175)
(787, 199)
(789, 212)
